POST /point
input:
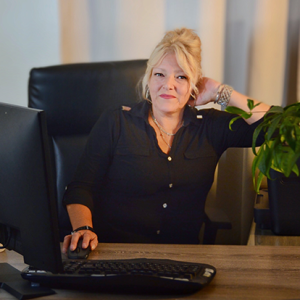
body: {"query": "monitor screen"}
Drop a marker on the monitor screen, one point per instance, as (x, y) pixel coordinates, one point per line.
(28, 207)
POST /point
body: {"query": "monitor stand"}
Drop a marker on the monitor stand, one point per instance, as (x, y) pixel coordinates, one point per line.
(12, 282)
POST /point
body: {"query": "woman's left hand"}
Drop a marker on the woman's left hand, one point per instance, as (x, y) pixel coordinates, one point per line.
(208, 89)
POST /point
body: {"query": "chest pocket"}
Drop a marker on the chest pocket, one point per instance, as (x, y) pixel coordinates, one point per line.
(131, 171)
(199, 153)
(201, 163)
(129, 163)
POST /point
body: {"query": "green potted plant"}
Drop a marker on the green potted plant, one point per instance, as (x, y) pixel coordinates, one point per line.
(278, 158)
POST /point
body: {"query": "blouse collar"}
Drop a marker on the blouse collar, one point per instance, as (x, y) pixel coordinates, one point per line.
(141, 109)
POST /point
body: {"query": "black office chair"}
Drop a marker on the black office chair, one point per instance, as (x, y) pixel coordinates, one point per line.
(74, 96)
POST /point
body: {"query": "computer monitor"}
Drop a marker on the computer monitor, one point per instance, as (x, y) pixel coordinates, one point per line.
(28, 207)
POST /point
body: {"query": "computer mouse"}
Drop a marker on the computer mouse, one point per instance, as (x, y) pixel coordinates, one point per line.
(79, 252)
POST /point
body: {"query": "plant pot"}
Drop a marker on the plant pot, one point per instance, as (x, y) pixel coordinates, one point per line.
(284, 202)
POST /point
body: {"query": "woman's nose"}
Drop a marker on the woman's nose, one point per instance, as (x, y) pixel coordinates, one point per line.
(169, 83)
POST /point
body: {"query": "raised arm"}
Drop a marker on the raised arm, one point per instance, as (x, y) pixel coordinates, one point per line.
(208, 93)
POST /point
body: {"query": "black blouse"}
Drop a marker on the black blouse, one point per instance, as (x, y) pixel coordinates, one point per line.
(136, 192)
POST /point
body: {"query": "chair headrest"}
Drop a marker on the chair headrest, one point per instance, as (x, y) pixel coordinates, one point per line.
(75, 95)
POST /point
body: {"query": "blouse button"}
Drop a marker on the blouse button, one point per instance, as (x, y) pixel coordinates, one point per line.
(158, 231)
(169, 158)
(170, 185)
(165, 205)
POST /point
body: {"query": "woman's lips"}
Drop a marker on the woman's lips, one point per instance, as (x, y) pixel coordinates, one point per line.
(165, 96)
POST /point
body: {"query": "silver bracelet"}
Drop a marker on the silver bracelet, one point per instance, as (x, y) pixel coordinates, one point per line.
(220, 87)
(223, 95)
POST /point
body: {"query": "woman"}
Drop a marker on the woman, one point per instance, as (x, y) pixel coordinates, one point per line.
(147, 170)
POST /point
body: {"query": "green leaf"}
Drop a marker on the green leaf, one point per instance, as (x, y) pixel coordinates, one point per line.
(266, 160)
(273, 127)
(260, 177)
(254, 167)
(288, 133)
(255, 136)
(285, 161)
(276, 148)
(256, 162)
(254, 173)
(297, 128)
(256, 104)
(232, 121)
(292, 167)
(234, 110)
(292, 108)
(268, 118)
(275, 109)
(296, 170)
(250, 104)
(246, 115)
(277, 154)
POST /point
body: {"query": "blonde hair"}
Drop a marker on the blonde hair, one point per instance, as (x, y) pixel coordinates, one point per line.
(186, 45)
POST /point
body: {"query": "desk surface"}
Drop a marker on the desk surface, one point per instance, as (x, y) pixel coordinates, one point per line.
(243, 272)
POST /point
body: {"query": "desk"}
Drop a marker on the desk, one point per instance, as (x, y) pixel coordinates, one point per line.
(243, 272)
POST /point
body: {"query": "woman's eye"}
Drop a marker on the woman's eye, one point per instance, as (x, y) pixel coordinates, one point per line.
(158, 74)
(182, 77)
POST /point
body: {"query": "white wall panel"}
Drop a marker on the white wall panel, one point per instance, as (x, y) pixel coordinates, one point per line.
(180, 13)
(267, 66)
(122, 30)
(74, 31)
(29, 35)
(211, 29)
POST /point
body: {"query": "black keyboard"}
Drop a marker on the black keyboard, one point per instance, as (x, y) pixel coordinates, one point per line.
(132, 275)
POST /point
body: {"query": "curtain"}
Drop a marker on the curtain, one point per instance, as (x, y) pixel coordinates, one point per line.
(250, 44)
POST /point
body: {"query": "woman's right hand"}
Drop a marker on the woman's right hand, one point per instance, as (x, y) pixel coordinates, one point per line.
(79, 215)
(71, 240)
(208, 89)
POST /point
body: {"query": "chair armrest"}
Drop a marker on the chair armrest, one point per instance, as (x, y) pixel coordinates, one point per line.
(214, 220)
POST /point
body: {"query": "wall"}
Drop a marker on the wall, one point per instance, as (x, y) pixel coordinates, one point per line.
(30, 37)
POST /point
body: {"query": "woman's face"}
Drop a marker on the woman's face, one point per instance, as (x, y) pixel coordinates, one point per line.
(169, 86)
